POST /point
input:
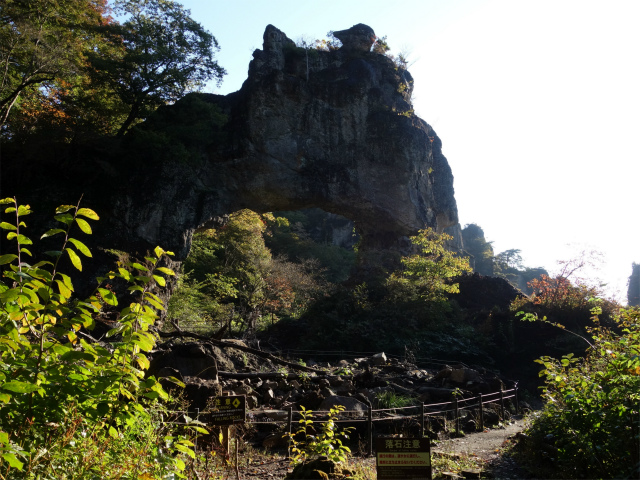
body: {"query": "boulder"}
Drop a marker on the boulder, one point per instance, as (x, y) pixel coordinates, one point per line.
(349, 403)
(359, 38)
(464, 375)
(378, 359)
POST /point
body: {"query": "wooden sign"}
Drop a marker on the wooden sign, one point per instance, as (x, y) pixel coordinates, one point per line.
(228, 410)
(403, 458)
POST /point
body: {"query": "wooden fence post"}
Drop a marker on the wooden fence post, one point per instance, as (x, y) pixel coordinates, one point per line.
(195, 446)
(370, 430)
(481, 414)
(457, 415)
(502, 403)
(289, 427)
(422, 420)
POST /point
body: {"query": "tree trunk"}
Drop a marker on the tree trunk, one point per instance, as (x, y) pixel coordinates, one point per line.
(133, 114)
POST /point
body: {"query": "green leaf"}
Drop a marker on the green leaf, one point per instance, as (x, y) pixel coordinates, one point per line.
(87, 212)
(74, 355)
(155, 303)
(24, 250)
(108, 296)
(67, 281)
(116, 331)
(113, 432)
(75, 260)
(81, 247)
(12, 460)
(64, 218)
(160, 280)
(7, 200)
(174, 380)
(158, 251)
(7, 226)
(84, 225)
(52, 232)
(145, 344)
(8, 258)
(44, 294)
(126, 274)
(20, 387)
(22, 240)
(166, 271)
(143, 361)
(137, 266)
(53, 253)
(5, 397)
(63, 289)
(10, 295)
(184, 449)
(24, 210)
(64, 208)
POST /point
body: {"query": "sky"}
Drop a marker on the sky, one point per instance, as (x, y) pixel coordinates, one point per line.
(537, 104)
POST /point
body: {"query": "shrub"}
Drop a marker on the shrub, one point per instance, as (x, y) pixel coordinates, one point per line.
(309, 442)
(71, 406)
(592, 404)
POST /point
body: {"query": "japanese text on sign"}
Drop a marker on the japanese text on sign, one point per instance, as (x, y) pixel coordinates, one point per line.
(229, 410)
(403, 459)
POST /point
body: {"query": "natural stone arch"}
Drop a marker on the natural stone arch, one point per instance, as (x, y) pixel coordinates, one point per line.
(345, 140)
(342, 138)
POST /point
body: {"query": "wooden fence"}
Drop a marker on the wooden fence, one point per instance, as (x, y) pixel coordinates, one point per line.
(450, 410)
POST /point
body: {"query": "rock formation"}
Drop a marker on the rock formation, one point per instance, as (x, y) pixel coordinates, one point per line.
(327, 129)
(344, 140)
(633, 290)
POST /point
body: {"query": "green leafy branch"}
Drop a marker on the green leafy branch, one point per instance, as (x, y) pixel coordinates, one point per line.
(307, 444)
(47, 368)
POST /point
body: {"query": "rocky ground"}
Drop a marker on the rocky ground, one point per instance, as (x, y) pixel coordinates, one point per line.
(486, 450)
(272, 385)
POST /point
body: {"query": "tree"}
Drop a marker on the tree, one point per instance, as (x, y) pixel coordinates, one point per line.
(427, 274)
(41, 41)
(509, 260)
(165, 54)
(480, 250)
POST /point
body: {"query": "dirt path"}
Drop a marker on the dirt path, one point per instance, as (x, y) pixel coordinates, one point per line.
(487, 446)
(484, 446)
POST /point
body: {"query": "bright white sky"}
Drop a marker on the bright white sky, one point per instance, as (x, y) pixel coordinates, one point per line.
(537, 103)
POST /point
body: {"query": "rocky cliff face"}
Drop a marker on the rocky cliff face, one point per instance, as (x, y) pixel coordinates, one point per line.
(308, 128)
(633, 290)
(327, 129)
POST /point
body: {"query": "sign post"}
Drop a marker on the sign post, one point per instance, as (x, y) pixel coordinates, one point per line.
(228, 410)
(403, 459)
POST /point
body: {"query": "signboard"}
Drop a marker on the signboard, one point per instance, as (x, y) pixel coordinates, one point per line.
(403, 458)
(228, 410)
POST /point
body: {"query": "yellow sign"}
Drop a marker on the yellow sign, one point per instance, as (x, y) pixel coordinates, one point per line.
(228, 410)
